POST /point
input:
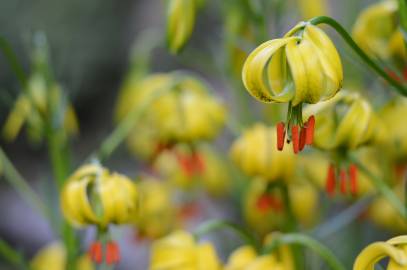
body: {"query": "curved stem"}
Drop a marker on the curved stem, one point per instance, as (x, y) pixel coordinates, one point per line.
(348, 39)
(381, 186)
(304, 240)
(15, 65)
(217, 224)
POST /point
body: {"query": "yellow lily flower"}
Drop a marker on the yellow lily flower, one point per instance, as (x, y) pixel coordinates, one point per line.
(188, 166)
(182, 111)
(301, 67)
(265, 210)
(254, 153)
(395, 249)
(179, 251)
(246, 258)
(33, 106)
(92, 195)
(393, 118)
(53, 256)
(376, 31)
(157, 210)
(180, 22)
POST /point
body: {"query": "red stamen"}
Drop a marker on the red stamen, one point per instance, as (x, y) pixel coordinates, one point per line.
(186, 164)
(112, 253)
(296, 139)
(342, 177)
(353, 171)
(393, 75)
(330, 181)
(199, 163)
(303, 134)
(310, 125)
(95, 252)
(280, 136)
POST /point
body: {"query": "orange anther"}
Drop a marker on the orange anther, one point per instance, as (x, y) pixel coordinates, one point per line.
(342, 177)
(310, 125)
(112, 253)
(280, 136)
(353, 171)
(330, 181)
(95, 252)
(303, 134)
(296, 139)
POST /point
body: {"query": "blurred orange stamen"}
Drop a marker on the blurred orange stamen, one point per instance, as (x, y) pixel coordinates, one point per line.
(280, 136)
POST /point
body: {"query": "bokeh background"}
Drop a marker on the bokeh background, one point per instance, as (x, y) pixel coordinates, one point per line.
(90, 43)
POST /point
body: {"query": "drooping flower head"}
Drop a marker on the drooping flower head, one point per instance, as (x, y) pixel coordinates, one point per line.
(302, 67)
(94, 196)
(182, 110)
(377, 32)
(346, 122)
(395, 249)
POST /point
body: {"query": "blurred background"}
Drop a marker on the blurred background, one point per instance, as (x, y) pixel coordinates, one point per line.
(90, 45)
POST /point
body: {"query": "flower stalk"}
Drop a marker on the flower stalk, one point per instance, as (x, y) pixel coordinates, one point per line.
(12, 256)
(352, 44)
(304, 240)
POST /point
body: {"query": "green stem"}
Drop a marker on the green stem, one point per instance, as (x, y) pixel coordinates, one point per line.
(15, 65)
(21, 186)
(217, 224)
(304, 240)
(348, 39)
(403, 16)
(12, 256)
(381, 186)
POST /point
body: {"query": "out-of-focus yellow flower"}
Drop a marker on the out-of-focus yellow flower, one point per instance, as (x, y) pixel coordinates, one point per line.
(313, 8)
(188, 166)
(183, 110)
(93, 195)
(393, 118)
(180, 22)
(302, 67)
(31, 108)
(156, 214)
(382, 213)
(53, 256)
(346, 121)
(179, 251)
(377, 31)
(395, 249)
(255, 154)
(266, 210)
(246, 258)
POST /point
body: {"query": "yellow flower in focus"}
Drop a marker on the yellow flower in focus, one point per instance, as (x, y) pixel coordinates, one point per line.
(156, 214)
(395, 249)
(313, 8)
(393, 118)
(246, 258)
(255, 154)
(93, 195)
(53, 256)
(346, 121)
(377, 31)
(180, 22)
(179, 251)
(265, 209)
(302, 67)
(182, 109)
